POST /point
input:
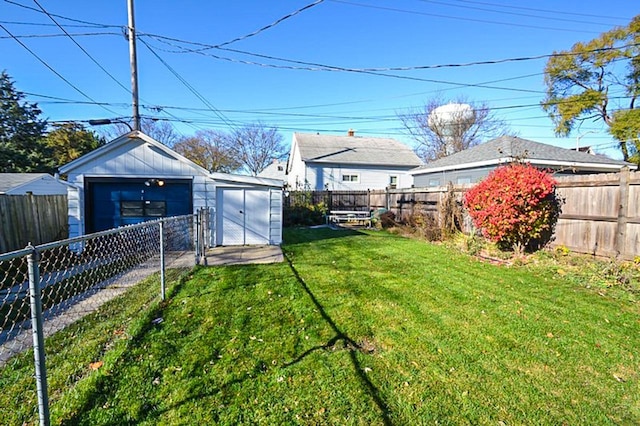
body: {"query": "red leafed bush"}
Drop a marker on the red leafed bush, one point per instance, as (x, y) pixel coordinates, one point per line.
(515, 206)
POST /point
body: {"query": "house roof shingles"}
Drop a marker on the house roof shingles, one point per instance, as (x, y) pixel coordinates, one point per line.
(8, 181)
(510, 147)
(355, 150)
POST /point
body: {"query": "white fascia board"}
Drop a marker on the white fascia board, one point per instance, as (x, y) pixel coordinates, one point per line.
(594, 166)
(251, 180)
(536, 162)
(458, 166)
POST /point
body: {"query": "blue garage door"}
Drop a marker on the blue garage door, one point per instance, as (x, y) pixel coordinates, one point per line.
(116, 202)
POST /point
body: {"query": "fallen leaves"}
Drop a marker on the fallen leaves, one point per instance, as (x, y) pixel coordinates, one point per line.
(96, 365)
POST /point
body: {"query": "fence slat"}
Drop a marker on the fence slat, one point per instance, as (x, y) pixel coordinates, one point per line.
(34, 219)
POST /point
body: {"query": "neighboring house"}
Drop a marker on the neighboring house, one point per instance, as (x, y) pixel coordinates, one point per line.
(136, 178)
(275, 170)
(31, 183)
(473, 164)
(318, 162)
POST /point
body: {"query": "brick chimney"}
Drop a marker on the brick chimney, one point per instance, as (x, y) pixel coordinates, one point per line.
(351, 132)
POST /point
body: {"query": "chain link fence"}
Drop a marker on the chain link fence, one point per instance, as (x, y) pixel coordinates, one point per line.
(45, 288)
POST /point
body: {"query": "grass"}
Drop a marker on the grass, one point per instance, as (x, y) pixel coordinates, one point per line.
(355, 328)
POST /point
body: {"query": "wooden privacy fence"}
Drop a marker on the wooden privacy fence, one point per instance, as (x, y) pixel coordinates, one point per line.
(34, 219)
(600, 215)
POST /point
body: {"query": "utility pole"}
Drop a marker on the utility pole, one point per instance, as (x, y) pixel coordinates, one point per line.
(134, 66)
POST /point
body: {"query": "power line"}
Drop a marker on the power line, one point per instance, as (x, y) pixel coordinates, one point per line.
(93, 24)
(361, 71)
(515, 13)
(324, 67)
(82, 48)
(189, 86)
(436, 15)
(53, 70)
(273, 24)
(539, 10)
(41, 24)
(58, 35)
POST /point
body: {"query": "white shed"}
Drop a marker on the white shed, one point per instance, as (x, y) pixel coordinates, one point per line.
(136, 178)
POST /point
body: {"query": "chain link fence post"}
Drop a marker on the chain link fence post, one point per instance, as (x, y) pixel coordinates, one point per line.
(35, 301)
(205, 234)
(162, 262)
(196, 238)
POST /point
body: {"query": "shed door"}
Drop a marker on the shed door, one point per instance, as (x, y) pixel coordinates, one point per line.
(243, 216)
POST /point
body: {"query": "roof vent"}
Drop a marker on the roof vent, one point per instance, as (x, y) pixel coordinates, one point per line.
(351, 132)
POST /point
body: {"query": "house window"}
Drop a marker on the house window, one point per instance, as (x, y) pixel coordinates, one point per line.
(393, 182)
(463, 179)
(351, 178)
(434, 182)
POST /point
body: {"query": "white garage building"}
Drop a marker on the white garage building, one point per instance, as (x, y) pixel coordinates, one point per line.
(135, 178)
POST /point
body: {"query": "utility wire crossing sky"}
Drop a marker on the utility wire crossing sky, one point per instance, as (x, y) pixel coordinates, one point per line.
(301, 66)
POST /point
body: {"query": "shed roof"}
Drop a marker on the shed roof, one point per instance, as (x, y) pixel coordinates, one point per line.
(135, 137)
(508, 148)
(9, 181)
(355, 150)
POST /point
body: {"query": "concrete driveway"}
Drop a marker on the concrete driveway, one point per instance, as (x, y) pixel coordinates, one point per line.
(243, 255)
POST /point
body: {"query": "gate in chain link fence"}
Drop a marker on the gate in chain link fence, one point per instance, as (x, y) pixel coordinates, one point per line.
(45, 288)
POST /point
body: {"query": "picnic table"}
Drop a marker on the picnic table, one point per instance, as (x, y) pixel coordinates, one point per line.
(352, 217)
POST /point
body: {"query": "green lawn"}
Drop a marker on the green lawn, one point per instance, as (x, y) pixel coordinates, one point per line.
(354, 328)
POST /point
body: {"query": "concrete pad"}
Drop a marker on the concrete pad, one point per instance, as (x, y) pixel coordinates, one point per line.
(243, 255)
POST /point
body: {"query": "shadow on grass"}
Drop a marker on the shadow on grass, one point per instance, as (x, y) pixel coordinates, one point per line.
(349, 344)
(104, 382)
(340, 337)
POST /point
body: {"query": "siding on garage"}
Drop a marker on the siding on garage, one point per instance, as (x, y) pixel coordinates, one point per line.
(275, 216)
(133, 158)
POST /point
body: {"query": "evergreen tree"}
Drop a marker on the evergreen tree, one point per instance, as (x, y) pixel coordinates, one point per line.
(22, 147)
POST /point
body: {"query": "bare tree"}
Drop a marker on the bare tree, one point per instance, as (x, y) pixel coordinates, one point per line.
(160, 130)
(443, 128)
(256, 146)
(210, 149)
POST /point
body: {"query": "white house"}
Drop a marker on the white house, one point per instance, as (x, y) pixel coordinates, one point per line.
(31, 183)
(275, 170)
(136, 178)
(319, 162)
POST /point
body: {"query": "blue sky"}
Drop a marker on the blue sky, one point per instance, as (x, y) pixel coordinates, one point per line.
(275, 75)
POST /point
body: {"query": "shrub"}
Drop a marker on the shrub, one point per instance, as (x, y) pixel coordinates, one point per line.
(388, 219)
(425, 225)
(516, 206)
(300, 210)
